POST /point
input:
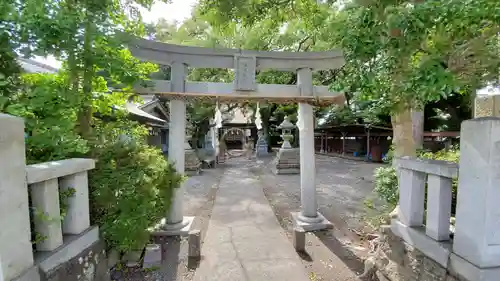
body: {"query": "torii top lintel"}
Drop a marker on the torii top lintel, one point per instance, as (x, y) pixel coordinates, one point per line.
(166, 54)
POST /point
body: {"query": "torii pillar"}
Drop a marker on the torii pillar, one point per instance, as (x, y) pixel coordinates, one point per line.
(244, 88)
(309, 218)
(176, 222)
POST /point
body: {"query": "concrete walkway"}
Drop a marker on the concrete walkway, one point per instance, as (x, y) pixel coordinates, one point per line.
(244, 241)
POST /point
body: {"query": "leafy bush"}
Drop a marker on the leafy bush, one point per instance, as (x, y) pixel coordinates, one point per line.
(386, 185)
(131, 189)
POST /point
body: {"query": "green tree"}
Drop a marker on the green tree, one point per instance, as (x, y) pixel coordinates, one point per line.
(400, 55)
(74, 113)
(86, 35)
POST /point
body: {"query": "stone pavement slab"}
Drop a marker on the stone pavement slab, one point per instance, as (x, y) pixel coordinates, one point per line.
(244, 241)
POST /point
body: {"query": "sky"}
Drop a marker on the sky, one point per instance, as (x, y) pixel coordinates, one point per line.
(176, 11)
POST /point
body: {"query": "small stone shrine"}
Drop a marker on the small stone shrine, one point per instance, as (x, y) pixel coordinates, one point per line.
(261, 145)
(288, 159)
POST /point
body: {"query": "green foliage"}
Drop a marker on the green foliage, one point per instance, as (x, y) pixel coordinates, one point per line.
(386, 185)
(399, 54)
(451, 155)
(72, 114)
(131, 189)
(48, 108)
(64, 195)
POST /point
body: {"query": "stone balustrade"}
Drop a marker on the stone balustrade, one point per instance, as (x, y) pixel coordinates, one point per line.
(473, 253)
(45, 181)
(30, 213)
(434, 233)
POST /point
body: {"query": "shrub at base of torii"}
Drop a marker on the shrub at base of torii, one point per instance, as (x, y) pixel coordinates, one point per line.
(131, 191)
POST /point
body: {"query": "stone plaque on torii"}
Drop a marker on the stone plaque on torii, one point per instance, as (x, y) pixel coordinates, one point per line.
(244, 88)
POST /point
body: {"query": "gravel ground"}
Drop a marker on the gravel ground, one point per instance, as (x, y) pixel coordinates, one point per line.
(342, 186)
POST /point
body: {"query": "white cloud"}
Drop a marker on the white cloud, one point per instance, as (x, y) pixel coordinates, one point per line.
(177, 11)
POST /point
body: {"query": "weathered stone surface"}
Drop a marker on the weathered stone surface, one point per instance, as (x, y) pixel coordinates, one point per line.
(488, 105)
(299, 239)
(45, 199)
(152, 256)
(477, 232)
(194, 244)
(416, 237)
(56, 169)
(398, 261)
(15, 244)
(89, 265)
(77, 217)
(287, 161)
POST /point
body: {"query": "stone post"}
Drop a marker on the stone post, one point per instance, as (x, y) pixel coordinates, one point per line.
(309, 218)
(477, 231)
(47, 218)
(15, 244)
(176, 222)
(77, 217)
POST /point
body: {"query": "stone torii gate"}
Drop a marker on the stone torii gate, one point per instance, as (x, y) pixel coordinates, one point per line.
(244, 88)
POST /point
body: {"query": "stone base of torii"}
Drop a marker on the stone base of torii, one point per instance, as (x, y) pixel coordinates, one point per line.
(244, 89)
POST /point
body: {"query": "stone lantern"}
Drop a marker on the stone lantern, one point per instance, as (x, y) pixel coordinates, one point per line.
(286, 128)
(287, 160)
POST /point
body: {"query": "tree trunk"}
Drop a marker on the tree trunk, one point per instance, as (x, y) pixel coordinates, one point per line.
(403, 141)
(85, 114)
(417, 117)
(402, 126)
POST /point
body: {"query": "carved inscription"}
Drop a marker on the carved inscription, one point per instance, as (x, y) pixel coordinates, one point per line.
(245, 67)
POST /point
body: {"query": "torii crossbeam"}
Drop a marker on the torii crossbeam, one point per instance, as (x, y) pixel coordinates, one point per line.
(244, 88)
